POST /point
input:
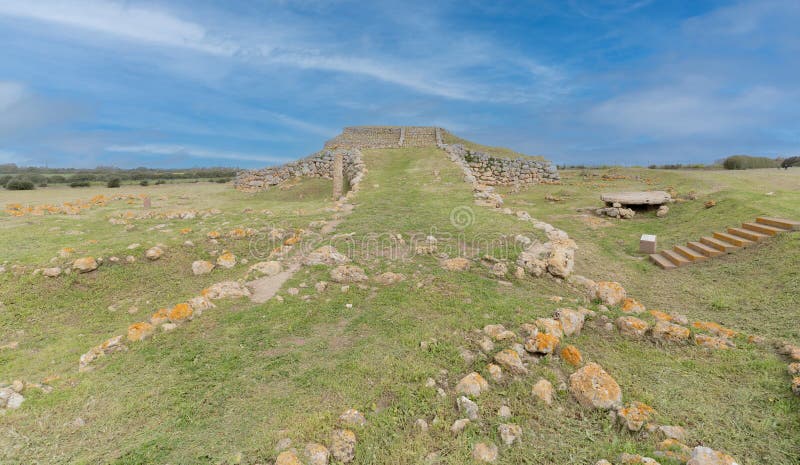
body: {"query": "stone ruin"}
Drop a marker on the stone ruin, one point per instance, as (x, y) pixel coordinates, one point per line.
(478, 166)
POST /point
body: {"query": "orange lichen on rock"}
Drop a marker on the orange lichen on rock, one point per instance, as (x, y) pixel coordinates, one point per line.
(711, 342)
(714, 328)
(635, 415)
(213, 235)
(139, 331)
(180, 312)
(670, 332)
(237, 233)
(630, 305)
(543, 343)
(292, 240)
(632, 326)
(571, 355)
(661, 316)
(674, 449)
(186, 230)
(159, 317)
(593, 387)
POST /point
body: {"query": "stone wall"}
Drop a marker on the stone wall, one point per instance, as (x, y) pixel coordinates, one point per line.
(366, 137)
(493, 171)
(318, 165)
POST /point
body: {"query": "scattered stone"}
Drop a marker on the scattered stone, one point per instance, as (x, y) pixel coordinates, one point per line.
(287, 457)
(571, 321)
(673, 449)
(499, 333)
(571, 355)
(139, 331)
(344, 274)
(467, 407)
(706, 456)
(495, 372)
(111, 345)
(543, 390)
(794, 368)
(630, 305)
(325, 255)
(543, 343)
(633, 459)
(316, 454)
(483, 452)
(549, 326)
(796, 385)
(10, 399)
(202, 267)
(180, 313)
(669, 332)
(167, 327)
(635, 415)
(226, 289)
(715, 329)
(472, 385)
(159, 317)
(593, 387)
(343, 445)
(509, 359)
(456, 264)
(389, 278)
(421, 425)
(711, 342)
(352, 417)
(609, 292)
(52, 272)
(459, 425)
(509, 433)
(154, 253)
(504, 412)
(710, 203)
(226, 260)
(673, 432)
(632, 326)
(662, 211)
(85, 264)
(486, 345)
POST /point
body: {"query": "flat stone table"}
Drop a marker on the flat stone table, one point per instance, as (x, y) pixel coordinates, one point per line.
(636, 198)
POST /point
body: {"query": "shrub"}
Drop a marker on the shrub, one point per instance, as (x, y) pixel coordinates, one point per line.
(144, 183)
(18, 184)
(222, 180)
(42, 184)
(746, 162)
(4, 179)
(161, 181)
(116, 182)
(79, 184)
(56, 178)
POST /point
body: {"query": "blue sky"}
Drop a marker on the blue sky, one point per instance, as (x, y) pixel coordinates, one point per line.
(251, 83)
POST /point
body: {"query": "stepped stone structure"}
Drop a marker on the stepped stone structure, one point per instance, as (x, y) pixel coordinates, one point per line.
(480, 166)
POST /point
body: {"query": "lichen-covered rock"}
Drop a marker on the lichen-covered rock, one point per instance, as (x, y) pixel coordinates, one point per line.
(484, 452)
(711, 342)
(509, 359)
(343, 445)
(549, 326)
(180, 313)
(673, 449)
(270, 268)
(325, 255)
(609, 292)
(316, 454)
(352, 417)
(715, 329)
(794, 368)
(635, 415)
(706, 456)
(499, 333)
(472, 385)
(495, 372)
(85, 264)
(543, 343)
(111, 345)
(561, 260)
(633, 306)
(345, 274)
(593, 387)
(154, 253)
(159, 317)
(669, 332)
(200, 303)
(790, 350)
(226, 289)
(389, 278)
(200, 267)
(287, 457)
(796, 385)
(53, 272)
(459, 425)
(543, 390)
(509, 432)
(467, 407)
(140, 331)
(10, 399)
(632, 326)
(226, 260)
(571, 355)
(571, 321)
(634, 459)
(456, 264)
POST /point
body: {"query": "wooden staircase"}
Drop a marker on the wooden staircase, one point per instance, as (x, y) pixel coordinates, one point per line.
(723, 242)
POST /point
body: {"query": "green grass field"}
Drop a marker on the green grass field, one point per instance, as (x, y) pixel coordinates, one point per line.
(226, 387)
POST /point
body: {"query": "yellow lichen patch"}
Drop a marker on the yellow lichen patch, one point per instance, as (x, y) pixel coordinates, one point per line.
(180, 312)
(672, 448)
(545, 343)
(571, 355)
(139, 331)
(661, 316)
(711, 342)
(630, 305)
(213, 235)
(237, 233)
(186, 230)
(292, 240)
(714, 328)
(635, 415)
(66, 252)
(159, 317)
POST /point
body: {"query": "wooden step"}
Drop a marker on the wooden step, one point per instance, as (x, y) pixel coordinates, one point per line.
(747, 234)
(704, 249)
(662, 261)
(763, 228)
(718, 244)
(676, 258)
(779, 223)
(692, 255)
(735, 240)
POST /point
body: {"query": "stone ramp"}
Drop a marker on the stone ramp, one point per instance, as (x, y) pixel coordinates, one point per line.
(720, 243)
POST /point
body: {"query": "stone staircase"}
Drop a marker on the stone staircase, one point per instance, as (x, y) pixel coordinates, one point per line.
(419, 136)
(723, 242)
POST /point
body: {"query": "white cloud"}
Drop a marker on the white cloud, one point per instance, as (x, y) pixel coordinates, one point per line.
(10, 94)
(119, 19)
(191, 152)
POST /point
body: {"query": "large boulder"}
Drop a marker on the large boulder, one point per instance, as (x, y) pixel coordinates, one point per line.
(706, 456)
(609, 292)
(343, 445)
(472, 385)
(571, 321)
(200, 267)
(85, 264)
(669, 332)
(592, 387)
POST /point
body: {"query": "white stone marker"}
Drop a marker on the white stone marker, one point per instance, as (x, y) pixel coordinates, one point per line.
(647, 244)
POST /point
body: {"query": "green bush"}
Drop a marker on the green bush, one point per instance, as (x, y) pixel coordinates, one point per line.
(42, 184)
(18, 184)
(80, 184)
(116, 182)
(4, 179)
(161, 181)
(144, 183)
(222, 180)
(746, 162)
(56, 178)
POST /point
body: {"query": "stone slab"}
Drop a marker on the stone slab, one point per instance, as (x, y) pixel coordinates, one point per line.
(636, 198)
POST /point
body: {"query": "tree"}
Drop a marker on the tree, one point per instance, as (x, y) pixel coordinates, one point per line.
(791, 161)
(115, 182)
(18, 184)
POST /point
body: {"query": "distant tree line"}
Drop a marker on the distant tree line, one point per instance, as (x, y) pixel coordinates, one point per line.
(28, 177)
